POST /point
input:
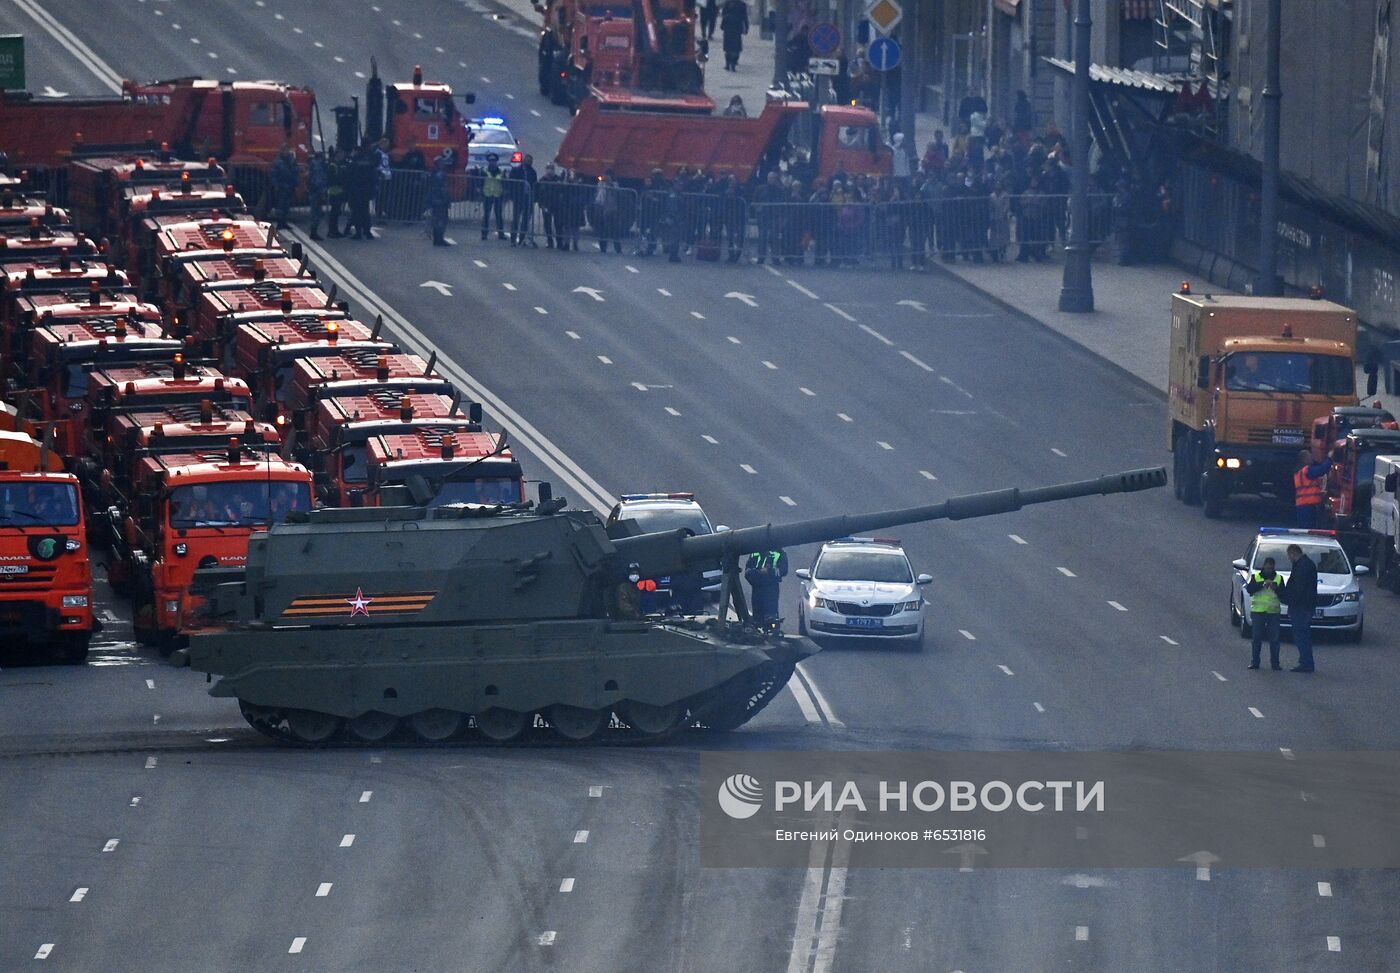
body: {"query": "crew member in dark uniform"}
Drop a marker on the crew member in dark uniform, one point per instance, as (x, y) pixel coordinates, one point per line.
(765, 572)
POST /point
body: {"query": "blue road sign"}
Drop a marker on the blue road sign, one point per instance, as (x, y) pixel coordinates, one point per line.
(883, 54)
(824, 40)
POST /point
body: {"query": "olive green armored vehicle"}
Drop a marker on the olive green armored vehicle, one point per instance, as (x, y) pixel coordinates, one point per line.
(510, 619)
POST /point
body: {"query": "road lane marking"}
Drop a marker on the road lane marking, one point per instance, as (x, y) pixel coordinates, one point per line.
(323, 890)
(508, 286)
(1069, 574)
(535, 113)
(843, 417)
(875, 334)
(580, 837)
(297, 945)
(916, 361)
(561, 130)
(967, 635)
(1005, 669)
(1117, 606)
(1324, 889)
(631, 269)
(375, 758)
(747, 468)
(595, 790)
(1081, 934)
(1254, 711)
(671, 411)
(802, 290)
(804, 699)
(639, 386)
(1287, 753)
(155, 718)
(540, 310)
(1059, 452)
(365, 796)
(1319, 841)
(150, 763)
(605, 359)
(111, 844)
(836, 310)
(1038, 707)
(697, 315)
(882, 444)
(709, 439)
(567, 885)
(823, 706)
(805, 390)
(72, 45)
(484, 78)
(929, 476)
(347, 841)
(1334, 944)
(44, 951)
(789, 501)
(574, 335)
(78, 895)
(733, 340)
(1168, 639)
(663, 292)
(134, 801)
(546, 938)
(1017, 538)
(769, 365)
(480, 263)
(1218, 676)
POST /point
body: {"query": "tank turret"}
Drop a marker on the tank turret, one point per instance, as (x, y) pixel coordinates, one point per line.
(361, 620)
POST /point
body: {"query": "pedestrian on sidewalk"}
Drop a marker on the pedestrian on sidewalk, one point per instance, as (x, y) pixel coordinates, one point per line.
(709, 16)
(733, 24)
(317, 185)
(1300, 593)
(1265, 611)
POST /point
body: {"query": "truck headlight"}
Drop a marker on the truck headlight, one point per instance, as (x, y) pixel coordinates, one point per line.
(75, 601)
(72, 545)
(182, 549)
(172, 606)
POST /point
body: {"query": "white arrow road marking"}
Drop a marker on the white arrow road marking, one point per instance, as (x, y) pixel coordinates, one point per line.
(444, 289)
(49, 92)
(916, 305)
(746, 298)
(590, 291)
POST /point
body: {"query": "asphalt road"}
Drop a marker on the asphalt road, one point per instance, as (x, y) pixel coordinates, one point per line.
(1091, 625)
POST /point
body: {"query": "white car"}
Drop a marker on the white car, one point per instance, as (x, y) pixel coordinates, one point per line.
(655, 512)
(1340, 603)
(491, 136)
(861, 587)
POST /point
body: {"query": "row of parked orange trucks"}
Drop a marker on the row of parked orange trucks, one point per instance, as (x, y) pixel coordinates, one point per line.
(174, 378)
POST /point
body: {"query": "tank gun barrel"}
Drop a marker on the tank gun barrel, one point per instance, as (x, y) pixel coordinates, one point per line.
(673, 551)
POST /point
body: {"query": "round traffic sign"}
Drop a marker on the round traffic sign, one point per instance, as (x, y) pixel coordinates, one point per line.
(824, 40)
(883, 54)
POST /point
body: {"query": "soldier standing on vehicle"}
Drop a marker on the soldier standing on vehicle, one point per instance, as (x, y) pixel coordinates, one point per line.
(765, 572)
(317, 185)
(523, 181)
(438, 199)
(493, 188)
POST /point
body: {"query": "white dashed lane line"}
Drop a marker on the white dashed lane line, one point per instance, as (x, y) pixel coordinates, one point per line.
(839, 312)
(567, 885)
(78, 895)
(710, 439)
(44, 951)
(1254, 712)
(663, 292)
(534, 112)
(347, 841)
(595, 790)
(672, 411)
(605, 359)
(769, 365)
(1066, 572)
(1218, 676)
(480, 263)
(789, 501)
(907, 356)
(875, 334)
(733, 340)
(546, 938)
(298, 945)
(111, 844)
(967, 635)
(1005, 669)
(580, 837)
(802, 290)
(150, 684)
(574, 335)
(1287, 753)
(697, 315)
(843, 417)
(882, 444)
(1017, 538)
(323, 890)
(1117, 607)
(540, 310)
(1059, 452)
(508, 286)
(365, 796)
(805, 390)
(1324, 889)
(747, 468)
(631, 269)
(1168, 639)
(1038, 707)
(929, 476)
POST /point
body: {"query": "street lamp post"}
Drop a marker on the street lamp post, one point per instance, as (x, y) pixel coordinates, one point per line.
(1077, 289)
(1268, 283)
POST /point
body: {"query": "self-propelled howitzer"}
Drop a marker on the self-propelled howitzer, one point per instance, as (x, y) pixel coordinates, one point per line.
(360, 621)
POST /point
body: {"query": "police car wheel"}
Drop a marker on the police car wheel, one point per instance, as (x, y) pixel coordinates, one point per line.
(1246, 629)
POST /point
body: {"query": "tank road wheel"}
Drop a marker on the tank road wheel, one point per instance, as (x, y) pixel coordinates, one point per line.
(575, 722)
(502, 725)
(649, 720)
(266, 721)
(309, 726)
(436, 725)
(373, 726)
(733, 704)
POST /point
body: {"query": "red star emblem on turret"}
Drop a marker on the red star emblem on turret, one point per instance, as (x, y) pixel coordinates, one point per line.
(359, 605)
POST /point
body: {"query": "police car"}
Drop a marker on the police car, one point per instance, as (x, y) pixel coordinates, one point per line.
(656, 512)
(1340, 604)
(862, 587)
(491, 136)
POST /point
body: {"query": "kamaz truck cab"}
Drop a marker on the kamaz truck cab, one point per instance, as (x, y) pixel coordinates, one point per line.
(217, 309)
(266, 351)
(357, 373)
(459, 466)
(1347, 503)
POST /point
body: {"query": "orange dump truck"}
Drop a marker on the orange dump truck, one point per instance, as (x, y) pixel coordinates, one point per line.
(45, 573)
(1248, 378)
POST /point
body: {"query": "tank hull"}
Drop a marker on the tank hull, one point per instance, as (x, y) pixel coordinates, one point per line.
(361, 675)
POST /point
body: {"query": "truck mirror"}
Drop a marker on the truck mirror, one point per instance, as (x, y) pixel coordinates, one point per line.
(474, 412)
(1391, 479)
(546, 491)
(1203, 373)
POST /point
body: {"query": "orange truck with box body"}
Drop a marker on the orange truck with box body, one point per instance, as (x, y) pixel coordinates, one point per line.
(458, 466)
(45, 571)
(1248, 378)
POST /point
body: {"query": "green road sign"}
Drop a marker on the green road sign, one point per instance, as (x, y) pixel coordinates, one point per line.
(11, 61)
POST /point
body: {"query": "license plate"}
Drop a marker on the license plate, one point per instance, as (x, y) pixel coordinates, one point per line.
(14, 569)
(1287, 438)
(864, 623)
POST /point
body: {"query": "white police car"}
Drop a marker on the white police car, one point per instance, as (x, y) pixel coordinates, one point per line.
(491, 136)
(656, 512)
(1340, 604)
(861, 587)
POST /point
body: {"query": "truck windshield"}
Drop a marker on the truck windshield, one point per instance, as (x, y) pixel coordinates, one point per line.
(486, 489)
(1284, 371)
(51, 504)
(241, 503)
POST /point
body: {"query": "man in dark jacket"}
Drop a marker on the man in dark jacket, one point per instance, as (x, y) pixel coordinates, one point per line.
(439, 199)
(284, 185)
(550, 199)
(318, 180)
(522, 184)
(360, 185)
(733, 24)
(764, 572)
(1300, 594)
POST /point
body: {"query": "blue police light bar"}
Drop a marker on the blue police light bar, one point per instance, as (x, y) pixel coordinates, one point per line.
(657, 496)
(492, 120)
(1296, 532)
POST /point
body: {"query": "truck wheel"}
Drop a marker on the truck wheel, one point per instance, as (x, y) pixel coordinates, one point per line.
(1185, 476)
(1213, 494)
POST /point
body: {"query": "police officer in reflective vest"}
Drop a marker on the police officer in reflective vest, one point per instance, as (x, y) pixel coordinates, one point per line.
(493, 189)
(1265, 611)
(1308, 488)
(765, 571)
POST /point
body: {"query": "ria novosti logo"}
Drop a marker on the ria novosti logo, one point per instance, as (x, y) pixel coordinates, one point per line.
(740, 796)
